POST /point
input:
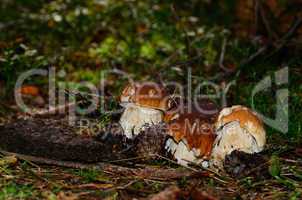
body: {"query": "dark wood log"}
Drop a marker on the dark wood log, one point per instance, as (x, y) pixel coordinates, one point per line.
(53, 138)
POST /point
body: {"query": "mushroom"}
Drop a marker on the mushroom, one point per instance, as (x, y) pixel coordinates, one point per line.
(192, 134)
(237, 128)
(144, 103)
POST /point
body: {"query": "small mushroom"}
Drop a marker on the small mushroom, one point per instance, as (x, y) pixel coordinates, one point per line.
(144, 103)
(192, 135)
(237, 128)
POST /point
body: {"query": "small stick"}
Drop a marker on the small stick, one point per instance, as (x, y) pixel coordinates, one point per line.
(267, 25)
(47, 161)
(221, 59)
(254, 56)
(126, 185)
(126, 159)
(172, 161)
(291, 31)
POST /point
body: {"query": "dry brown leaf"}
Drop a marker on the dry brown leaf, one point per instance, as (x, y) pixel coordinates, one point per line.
(66, 196)
(201, 195)
(170, 193)
(8, 160)
(30, 90)
(174, 193)
(298, 151)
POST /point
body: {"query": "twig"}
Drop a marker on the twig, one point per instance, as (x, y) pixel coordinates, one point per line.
(187, 62)
(221, 58)
(256, 13)
(287, 36)
(126, 185)
(291, 161)
(252, 57)
(126, 159)
(271, 33)
(291, 31)
(172, 161)
(47, 161)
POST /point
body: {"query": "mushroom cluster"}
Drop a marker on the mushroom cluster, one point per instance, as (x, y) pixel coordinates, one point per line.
(197, 132)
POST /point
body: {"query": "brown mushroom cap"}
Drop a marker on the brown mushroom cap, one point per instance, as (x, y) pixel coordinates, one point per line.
(247, 119)
(204, 108)
(146, 94)
(197, 131)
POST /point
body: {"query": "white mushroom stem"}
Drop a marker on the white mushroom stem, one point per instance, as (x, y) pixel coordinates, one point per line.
(135, 117)
(232, 137)
(181, 153)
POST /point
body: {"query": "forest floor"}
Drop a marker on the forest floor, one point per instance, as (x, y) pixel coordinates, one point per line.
(273, 174)
(22, 179)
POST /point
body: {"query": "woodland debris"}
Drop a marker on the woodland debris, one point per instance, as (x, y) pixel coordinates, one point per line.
(240, 164)
(144, 173)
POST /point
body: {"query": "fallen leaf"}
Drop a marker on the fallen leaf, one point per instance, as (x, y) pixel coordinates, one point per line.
(8, 160)
(201, 195)
(141, 29)
(274, 167)
(298, 151)
(171, 193)
(66, 196)
(175, 193)
(29, 90)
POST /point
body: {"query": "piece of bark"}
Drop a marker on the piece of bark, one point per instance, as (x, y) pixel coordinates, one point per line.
(51, 138)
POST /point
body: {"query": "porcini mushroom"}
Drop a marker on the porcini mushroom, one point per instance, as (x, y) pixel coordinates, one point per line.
(192, 134)
(144, 103)
(237, 128)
